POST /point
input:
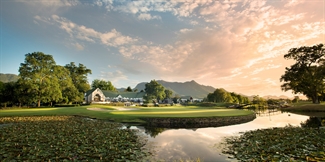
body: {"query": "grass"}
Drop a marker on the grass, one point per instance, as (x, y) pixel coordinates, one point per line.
(127, 116)
(305, 106)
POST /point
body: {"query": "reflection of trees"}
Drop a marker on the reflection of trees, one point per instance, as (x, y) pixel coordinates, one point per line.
(153, 131)
(312, 122)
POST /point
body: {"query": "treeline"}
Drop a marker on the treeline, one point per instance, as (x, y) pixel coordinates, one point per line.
(42, 80)
(222, 96)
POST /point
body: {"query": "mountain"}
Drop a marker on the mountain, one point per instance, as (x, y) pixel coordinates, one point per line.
(190, 88)
(8, 77)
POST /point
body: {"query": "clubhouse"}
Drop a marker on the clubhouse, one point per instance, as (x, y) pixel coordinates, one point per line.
(98, 95)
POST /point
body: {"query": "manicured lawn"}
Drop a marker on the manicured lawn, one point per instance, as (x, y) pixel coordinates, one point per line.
(305, 106)
(127, 116)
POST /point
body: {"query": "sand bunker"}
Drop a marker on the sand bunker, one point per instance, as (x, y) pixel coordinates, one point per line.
(117, 109)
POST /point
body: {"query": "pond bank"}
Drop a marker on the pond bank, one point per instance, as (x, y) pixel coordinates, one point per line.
(198, 122)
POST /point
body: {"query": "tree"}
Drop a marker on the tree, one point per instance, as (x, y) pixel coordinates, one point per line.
(69, 91)
(307, 75)
(135, 90)
(259, 100)
(154, 90)
(128, 89)
(176, 98)
(168, 93)
(220, 95)
(103, 85)
(37, 74)
(296, 99)
(79, 79)
(23, 93)
(1, 92)
(7, 95)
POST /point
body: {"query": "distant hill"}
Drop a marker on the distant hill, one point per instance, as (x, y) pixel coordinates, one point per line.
(190, 88)
(8, 77)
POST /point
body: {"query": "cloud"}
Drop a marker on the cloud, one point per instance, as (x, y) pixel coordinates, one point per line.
(146, 16)
(112, 38)
(78, 46)
(48, 7)
(292, 3)
(216, 42)
(115, 77)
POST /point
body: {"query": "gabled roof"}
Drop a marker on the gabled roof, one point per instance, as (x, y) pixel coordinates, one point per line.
(112, 94)
(90, 91)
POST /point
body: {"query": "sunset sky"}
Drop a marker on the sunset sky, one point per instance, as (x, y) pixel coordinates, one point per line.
(233, 44)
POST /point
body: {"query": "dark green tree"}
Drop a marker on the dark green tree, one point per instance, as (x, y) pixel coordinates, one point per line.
(128, 89)
(7, 94)
(37, 74)
(176, 98)
(220, 95)
(307, 75)
(168, 93)
(23, 93)
(69, 92)
(154, 91)
(103, 85)
(1, 92)
(79, 75)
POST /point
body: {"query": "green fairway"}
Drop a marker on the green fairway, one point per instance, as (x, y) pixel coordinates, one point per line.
(112, 113)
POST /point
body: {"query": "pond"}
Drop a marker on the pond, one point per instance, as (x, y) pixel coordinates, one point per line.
(204, 143)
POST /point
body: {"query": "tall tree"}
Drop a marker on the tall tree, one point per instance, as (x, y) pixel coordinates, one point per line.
(103, 85)
(220, 95)
(23, 93)
(168, 93)
(38, 74)
(307, 75)
(154, 90)
(69, 91)
(7, 95)
(79, 75)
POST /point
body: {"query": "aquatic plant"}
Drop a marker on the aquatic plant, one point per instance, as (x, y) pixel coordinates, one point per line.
(278, 144)
(61, 138)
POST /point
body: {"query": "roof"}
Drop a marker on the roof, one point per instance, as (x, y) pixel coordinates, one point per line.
(186, 97)
(90, 91)
(124, 94)
(112, 94)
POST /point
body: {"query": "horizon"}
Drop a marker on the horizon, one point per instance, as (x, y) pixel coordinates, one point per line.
(235, 45)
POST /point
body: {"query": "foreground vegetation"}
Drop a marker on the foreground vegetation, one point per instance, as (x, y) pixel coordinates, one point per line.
(110, 113)
(61, 138)
(278, 144)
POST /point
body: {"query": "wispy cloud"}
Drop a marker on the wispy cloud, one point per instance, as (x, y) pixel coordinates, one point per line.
(112, 38)
(115, 77)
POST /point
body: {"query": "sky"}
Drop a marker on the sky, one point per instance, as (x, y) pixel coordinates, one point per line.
(237, 45)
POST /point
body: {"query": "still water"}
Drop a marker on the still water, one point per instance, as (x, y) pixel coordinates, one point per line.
(204, 143)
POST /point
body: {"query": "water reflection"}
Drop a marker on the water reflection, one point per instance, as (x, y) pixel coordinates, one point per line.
(173, 144)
